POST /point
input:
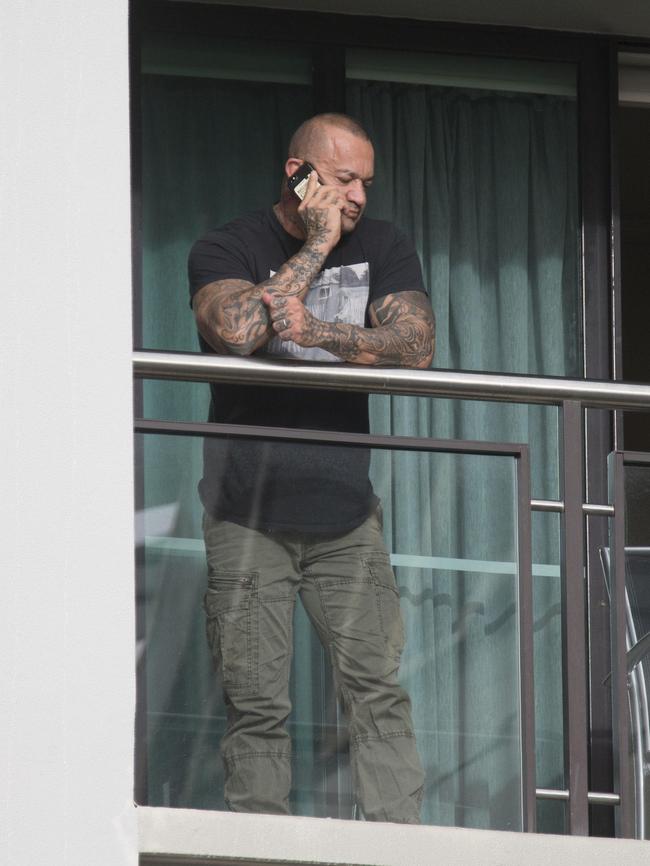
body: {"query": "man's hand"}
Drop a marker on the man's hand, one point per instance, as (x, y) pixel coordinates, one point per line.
(290, 318)
(320, 214)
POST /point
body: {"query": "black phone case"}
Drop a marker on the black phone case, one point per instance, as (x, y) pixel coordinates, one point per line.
(298, 182)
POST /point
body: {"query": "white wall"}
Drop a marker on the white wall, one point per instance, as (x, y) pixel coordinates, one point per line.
(168, 835)
(66, 562)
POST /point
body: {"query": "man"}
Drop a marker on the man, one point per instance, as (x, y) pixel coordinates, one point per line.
(310, 279)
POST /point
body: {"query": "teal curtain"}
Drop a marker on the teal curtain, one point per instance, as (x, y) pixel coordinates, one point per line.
(485, 184)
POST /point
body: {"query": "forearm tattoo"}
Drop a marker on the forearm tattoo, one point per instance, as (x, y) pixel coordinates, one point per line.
(403, 333)
(234, 319)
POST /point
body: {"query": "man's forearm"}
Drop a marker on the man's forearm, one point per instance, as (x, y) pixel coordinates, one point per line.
(236, 315)
(406, 344)
(403, 334)
(297, 273)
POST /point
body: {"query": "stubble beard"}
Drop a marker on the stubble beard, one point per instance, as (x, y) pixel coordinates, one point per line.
(349, 224)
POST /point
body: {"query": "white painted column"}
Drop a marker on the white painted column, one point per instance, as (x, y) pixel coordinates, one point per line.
(66, 560)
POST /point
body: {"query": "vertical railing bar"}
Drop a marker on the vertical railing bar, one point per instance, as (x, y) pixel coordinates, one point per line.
(574, 619)
(638, 770)
(526, 648)
(622, 760)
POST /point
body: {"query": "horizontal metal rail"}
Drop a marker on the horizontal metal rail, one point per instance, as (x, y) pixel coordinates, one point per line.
(594, 797)
(557, 506)
(393, 380)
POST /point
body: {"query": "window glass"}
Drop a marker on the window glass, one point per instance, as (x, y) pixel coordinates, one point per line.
(485, 181)
(476, 162)
(449, 70)
(476, 159)
(225, 59)
(215, 128)
(636, 480)
(217, 116)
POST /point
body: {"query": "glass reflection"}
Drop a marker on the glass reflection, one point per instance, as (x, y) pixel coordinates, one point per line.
(447, 525)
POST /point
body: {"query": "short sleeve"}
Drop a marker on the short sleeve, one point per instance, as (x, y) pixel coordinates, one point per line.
(399, 268)
(220, 255)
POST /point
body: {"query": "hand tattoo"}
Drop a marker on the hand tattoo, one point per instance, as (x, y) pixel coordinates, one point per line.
(316, 225)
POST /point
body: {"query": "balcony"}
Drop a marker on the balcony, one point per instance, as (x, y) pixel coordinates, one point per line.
(483, 598)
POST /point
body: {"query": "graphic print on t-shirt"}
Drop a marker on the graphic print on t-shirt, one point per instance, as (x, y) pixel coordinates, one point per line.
(336, 295)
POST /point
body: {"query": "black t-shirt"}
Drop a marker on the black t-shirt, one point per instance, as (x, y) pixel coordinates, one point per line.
(294, 486)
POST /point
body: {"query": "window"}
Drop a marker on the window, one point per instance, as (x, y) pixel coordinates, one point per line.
(477, 160)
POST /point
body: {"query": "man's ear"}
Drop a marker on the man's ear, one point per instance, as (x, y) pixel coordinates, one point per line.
(292, 165)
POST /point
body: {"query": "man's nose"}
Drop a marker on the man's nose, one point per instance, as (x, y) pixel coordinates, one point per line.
(356, 192)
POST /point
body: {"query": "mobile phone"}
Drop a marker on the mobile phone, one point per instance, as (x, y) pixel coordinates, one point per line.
(298, 181)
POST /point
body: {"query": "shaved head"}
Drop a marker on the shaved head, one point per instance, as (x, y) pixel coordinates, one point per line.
(312, 135)
(341, 153)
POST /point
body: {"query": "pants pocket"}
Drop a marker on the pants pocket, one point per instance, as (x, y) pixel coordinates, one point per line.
(387, 594)
(232, 625)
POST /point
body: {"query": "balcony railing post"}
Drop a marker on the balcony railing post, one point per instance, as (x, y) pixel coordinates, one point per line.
(623, 779)
(526, 647)
(574, 620)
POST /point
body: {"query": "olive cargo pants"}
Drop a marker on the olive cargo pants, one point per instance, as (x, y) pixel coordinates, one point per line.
(348, 589)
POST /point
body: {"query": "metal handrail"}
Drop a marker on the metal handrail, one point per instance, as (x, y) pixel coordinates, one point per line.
(392, 380)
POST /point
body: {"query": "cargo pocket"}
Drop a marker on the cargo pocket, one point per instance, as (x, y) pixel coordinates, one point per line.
(387, 595)
(231, 606)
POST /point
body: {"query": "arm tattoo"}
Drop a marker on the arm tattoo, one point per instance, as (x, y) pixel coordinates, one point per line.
(403, 333)
(231, 315)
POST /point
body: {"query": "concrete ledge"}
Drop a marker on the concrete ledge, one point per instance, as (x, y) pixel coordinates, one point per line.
(183, 836)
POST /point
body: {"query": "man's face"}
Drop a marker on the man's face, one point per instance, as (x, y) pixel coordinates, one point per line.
(347, 162)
